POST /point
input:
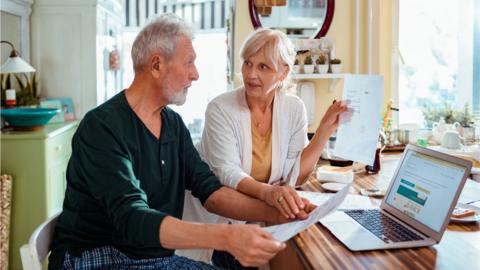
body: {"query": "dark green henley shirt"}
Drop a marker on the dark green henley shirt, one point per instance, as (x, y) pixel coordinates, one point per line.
(122, 182)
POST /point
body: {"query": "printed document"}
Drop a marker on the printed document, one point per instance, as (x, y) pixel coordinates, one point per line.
(350, 202)
(357, 138)
(286, 231)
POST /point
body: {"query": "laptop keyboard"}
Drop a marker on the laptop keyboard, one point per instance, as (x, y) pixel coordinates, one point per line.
(382, 226)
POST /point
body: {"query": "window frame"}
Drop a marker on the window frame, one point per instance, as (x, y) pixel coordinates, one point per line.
(474, 100)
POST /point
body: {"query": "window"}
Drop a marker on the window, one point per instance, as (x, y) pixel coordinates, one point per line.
(211, 63)
(209, 17)
(439, 51)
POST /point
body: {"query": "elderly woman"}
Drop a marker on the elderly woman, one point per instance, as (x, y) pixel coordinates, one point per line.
(255, 138)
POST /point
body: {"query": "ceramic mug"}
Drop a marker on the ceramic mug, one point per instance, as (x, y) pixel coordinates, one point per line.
(451, 139)
(441, 127)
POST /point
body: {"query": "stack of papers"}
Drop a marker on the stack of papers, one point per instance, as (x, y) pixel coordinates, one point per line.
(350, 201)
(286, 231)
(326, 203)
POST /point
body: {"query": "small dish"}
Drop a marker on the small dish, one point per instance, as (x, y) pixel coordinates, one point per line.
(468, 219)
(334, 187)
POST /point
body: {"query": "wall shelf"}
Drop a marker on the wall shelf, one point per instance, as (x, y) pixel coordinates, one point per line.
(331, 77)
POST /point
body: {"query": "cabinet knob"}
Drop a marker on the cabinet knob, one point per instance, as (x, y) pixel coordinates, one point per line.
(58, 148)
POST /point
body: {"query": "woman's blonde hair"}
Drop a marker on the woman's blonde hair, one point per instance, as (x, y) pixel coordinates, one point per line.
(276, 46)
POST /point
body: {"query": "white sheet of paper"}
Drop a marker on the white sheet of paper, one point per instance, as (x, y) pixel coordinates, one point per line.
(316, 198)
(357, 138)
(283, 232)
(350, 202)
(357, 202)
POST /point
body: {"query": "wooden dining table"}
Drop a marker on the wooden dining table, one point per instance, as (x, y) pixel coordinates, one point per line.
(317, 248)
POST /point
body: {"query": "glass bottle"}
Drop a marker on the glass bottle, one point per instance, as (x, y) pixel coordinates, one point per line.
(376, 163)
(10, 98)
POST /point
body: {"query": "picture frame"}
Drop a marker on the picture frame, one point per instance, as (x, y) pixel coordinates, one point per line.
(67, 108)
(56, 104)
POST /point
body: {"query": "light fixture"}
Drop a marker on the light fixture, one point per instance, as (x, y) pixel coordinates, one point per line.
(264, 11)
(270, 3)
(14, 63)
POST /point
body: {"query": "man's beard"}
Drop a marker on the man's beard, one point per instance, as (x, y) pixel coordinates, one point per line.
(176, 98)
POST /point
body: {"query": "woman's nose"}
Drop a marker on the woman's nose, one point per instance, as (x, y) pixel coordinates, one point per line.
(251, 73)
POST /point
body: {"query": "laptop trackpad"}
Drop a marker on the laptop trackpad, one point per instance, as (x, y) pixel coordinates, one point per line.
(352, 234)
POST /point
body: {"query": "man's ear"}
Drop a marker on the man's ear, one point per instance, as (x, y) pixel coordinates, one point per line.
(157, 65)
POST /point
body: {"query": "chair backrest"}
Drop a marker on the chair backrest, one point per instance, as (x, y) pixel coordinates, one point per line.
(38, 246)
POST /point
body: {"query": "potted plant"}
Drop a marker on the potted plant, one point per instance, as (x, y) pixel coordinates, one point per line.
(460, 120)
(336, 65)
(468, 126)
(463, 117)
(28, 94)
(322, 66)
(308, 65)
(5, 84)
(296, 66)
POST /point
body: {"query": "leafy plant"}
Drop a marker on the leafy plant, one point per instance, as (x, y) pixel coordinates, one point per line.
(321, 60)
(464, 117)
(5, 83)
(335, 61)
(308, 60)
(29, 92)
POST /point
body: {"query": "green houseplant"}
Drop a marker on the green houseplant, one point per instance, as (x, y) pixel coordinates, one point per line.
(322, 66)
(335, 65)
(27, 93)
(321, 60)
(464, 117)
(308, 60)
(5, 83)
(335, 61)
(308, 66)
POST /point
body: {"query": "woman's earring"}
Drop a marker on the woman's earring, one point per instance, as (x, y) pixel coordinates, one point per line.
(280, 85)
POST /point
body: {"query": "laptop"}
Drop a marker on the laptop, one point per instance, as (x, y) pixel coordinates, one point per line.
(415, 210)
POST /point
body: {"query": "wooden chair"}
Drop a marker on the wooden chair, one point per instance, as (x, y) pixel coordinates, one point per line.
(38, 246)
(5, 210)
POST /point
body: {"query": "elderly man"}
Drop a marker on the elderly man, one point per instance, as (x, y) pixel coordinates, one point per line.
(131, 163)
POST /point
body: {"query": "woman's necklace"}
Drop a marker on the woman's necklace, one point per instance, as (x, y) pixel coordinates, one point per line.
(261, 121)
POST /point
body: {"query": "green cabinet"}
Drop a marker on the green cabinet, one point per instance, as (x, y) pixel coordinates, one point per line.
(37, 161)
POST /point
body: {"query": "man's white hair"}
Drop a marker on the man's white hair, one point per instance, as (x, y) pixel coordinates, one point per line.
(159, 36)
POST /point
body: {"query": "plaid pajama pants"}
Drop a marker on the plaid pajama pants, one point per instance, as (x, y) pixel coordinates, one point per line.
(111, 258)
(225, 260)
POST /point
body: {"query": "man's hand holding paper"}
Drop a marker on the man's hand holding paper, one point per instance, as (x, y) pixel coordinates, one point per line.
(286, 231)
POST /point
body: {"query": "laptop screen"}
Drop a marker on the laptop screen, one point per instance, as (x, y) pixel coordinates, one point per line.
(425, 187)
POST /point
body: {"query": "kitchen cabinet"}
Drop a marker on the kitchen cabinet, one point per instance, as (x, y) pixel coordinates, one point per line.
(37, 161)
(76, 48)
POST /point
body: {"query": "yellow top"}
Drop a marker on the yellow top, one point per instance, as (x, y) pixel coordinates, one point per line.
(261, 155)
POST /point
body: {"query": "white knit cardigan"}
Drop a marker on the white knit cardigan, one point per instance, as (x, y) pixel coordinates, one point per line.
(226, 146)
